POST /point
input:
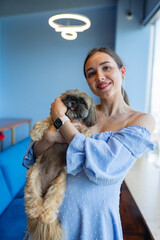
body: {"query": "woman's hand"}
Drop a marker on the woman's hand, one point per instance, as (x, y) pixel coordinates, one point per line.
(68, 130)
(58, 109)
(79, 126)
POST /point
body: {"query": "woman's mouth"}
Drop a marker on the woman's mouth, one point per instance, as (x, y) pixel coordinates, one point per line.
(103, 85)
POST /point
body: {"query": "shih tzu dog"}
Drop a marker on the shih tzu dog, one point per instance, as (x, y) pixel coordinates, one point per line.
(46, 179)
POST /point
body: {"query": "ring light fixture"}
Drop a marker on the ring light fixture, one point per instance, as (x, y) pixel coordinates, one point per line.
(69, 32)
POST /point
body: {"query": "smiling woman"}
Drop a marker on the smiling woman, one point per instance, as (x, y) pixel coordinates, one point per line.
(102, 73)
(97, 166)
(106, 66)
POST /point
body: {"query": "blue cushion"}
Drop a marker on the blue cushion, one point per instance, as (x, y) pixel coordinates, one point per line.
(5, 195)
(13, 221)
(20, 194)
(11, 165)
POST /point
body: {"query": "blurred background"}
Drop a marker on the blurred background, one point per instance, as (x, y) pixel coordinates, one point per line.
(37, 64)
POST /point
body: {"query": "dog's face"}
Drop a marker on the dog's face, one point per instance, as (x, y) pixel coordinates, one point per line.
(80, 107)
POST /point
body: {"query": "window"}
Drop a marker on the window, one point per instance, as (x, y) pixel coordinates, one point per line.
(155, 90)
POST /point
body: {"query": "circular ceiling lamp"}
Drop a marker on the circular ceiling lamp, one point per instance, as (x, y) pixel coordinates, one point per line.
(69, 32)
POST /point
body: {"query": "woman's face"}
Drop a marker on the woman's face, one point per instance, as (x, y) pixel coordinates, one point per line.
(103, 75)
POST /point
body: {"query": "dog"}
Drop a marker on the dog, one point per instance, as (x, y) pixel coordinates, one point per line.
(46, 179)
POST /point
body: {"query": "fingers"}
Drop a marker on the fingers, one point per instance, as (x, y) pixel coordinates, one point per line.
(52, 106)
(77, 124)
(58, 109)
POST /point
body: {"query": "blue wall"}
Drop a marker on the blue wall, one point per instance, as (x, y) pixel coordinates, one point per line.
(132, 44)
(38, 64)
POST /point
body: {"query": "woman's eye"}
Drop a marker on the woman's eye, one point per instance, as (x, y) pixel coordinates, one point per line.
(106, 68)
(91, 74)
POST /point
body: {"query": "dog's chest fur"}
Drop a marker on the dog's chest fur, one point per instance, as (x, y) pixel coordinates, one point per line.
(51, 164)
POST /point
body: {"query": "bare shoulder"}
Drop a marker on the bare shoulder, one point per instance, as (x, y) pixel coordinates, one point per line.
(145, 120)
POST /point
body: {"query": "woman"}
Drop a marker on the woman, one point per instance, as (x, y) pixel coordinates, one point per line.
(97, 166)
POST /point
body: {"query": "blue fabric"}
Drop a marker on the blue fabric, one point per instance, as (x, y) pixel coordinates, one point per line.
(28, 159)
(13, 221)
(11, 165)
(96, 168)
(5, 194)
(107, 157)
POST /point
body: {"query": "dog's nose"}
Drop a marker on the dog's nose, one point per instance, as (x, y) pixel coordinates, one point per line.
(73, 104)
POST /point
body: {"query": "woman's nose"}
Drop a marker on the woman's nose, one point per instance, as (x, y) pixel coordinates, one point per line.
(100, 76)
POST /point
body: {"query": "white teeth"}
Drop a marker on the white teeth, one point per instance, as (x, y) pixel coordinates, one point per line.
(103, 85)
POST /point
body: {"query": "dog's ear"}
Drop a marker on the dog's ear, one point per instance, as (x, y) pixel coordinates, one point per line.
(92, 118)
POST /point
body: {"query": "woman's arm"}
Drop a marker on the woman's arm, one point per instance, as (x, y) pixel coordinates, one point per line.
(58, 110)
(107, 157)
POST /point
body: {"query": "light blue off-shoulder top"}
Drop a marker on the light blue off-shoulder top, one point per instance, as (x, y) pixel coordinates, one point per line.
(96, 168)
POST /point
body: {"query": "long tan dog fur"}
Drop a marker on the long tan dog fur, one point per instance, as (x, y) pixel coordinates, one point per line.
(46, 179)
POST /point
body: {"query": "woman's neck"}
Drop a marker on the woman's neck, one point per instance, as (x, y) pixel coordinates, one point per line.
(112, 107)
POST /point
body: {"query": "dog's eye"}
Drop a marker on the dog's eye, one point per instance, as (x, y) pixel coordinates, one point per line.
(81, 101)
(73, 99)
(70, 101)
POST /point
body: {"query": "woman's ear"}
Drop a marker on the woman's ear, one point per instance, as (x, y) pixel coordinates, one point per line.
(123, 71)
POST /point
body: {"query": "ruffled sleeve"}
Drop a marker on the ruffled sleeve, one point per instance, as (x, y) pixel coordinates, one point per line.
(29, 159)
(107, 157)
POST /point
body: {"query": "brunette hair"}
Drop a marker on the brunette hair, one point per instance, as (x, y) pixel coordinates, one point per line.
(115, 57)
(109, 51)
